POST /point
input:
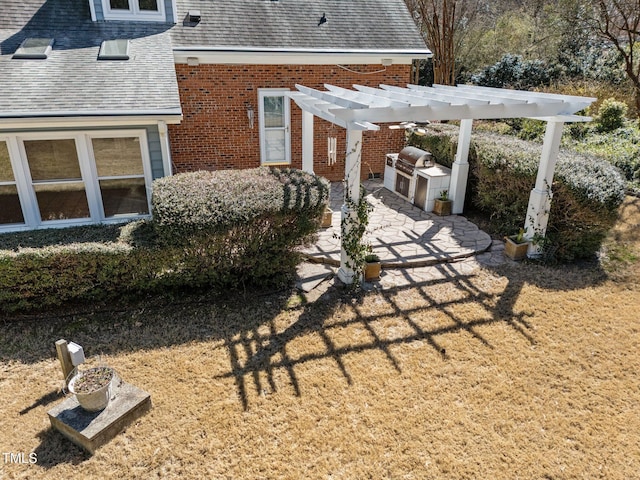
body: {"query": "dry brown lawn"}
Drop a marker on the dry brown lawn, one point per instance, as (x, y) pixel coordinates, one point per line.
(525, 372)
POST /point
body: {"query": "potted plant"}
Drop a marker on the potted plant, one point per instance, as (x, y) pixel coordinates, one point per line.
(442, 205)
(326, 218)
(516, 246)
(372, 267)
(92, 388)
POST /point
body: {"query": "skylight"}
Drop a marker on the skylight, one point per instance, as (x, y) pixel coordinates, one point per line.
(114, 50)
(34, 48)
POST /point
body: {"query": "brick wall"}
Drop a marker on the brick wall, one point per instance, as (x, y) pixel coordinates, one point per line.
(215, 134)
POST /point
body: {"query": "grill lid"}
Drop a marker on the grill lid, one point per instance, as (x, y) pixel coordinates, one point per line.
(415, 157)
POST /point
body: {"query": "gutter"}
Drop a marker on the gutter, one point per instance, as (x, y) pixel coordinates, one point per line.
(295, 56)
(86, 121)
(421, 52)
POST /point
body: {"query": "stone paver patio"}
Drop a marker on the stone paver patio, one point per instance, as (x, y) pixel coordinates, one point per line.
(401, 234)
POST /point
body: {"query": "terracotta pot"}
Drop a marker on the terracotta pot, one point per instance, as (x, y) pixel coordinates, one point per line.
(372, 271)
(442, 207)
(515, 251)
(326, 218)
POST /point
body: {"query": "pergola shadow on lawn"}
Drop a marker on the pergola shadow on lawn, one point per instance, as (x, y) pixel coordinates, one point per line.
(258, 341)
(267, 344)
(257, 353)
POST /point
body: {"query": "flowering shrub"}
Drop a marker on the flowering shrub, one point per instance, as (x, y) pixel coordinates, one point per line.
(586, 191)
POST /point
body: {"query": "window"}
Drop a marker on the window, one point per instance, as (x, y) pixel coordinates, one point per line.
(11, 211)
(34, 48)
(120, 176)
(152, 10)
(57, 179)
(148, 5)
(67, 178)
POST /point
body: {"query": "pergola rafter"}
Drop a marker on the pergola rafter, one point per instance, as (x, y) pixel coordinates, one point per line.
(364, 107)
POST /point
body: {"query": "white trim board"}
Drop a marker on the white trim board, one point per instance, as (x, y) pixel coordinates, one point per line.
(233, 56)
(85, 122)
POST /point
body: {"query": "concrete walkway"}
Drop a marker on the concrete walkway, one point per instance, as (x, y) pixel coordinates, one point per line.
(401, 234)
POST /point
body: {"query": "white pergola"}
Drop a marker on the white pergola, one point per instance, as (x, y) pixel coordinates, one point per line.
(360, 109)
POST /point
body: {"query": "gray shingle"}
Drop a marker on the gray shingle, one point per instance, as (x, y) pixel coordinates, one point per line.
(282, 24)
(72, 79)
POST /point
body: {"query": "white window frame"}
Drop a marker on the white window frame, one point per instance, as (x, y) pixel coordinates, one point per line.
(30, 194)
(146, 167)
(88, 170)
(134, 12)
(273, 92)
(18, 181)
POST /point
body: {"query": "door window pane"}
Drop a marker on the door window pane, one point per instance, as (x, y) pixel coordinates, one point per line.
(119, 4)
(6, 172)
(273, 112)
(124, 197)
(11, 211)
(117, 156)
(148, 5)
(275, 146)
(53, 159)
(61, 201)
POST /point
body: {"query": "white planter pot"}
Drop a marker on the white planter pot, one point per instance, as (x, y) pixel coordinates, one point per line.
(93, 401)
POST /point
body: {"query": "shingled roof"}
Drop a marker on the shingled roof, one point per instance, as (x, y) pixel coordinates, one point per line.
(72, 81)
(350, 25)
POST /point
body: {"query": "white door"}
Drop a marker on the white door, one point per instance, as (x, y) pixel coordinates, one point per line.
(274, 119)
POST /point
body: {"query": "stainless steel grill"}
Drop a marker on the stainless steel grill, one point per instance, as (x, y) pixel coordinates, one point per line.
(411, 158)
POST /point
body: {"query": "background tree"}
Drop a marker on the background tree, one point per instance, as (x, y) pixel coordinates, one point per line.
(618, 22)
(443, 23)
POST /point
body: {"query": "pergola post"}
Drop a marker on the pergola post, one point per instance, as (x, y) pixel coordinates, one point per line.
(352, 190)
(307, 141)
(540, 198)
(460, 167)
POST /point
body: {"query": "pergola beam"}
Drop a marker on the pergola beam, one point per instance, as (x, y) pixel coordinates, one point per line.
(447, 112)
(413, 100)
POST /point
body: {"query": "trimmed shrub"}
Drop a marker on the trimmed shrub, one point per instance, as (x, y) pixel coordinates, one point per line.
(611, 115)
(586, 190)
(212, 230)
(234, 227)
(620, 147)
(37, 278)
(215, 201)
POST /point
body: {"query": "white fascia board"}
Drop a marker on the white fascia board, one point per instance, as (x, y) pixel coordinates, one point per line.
(295, 56)
(21, 123)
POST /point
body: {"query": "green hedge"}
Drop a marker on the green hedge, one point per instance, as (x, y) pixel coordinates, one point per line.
(211, 230)
(586, 191)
